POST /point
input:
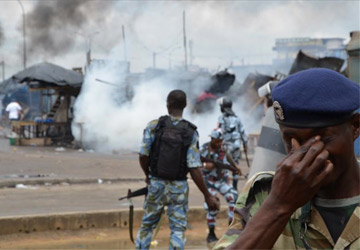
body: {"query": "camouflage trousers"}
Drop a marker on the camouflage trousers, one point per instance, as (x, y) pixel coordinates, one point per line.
(161, 193)
(225, 188)
(234, 148)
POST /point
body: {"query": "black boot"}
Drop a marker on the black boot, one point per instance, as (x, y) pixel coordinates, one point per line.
(211, 236)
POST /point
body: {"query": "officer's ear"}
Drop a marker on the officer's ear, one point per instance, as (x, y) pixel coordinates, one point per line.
(355, 125)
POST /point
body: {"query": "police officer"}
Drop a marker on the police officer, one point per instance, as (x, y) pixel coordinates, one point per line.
(312, 200)
(217, 179)
(233, 129)
(166, 170)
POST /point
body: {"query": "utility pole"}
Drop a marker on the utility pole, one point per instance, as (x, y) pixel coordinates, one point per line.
(124, 42)
(184, 29)
(24, 33)
(88, 38)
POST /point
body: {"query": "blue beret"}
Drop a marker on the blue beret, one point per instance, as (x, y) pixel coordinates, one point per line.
(315, 98)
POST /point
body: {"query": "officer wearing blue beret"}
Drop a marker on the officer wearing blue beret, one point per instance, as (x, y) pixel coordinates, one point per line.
(312, 200)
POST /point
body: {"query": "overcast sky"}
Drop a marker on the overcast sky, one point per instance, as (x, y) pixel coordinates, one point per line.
(221, 31)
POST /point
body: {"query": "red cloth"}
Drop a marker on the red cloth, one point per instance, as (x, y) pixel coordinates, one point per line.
(205, 95)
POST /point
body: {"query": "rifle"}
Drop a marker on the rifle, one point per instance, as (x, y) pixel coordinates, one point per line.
(218, 164)
(245, 151)
(139, 192)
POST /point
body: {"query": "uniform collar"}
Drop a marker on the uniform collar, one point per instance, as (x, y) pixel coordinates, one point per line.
(176, 118)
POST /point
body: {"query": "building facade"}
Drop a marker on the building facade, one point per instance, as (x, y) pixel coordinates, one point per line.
(288, 48)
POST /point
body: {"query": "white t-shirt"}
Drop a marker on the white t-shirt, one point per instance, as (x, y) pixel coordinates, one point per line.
(13, 108)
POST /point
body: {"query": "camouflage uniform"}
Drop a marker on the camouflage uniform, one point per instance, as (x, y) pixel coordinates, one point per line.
(317, 235)
(233, 132)
(218, 181)
(173, 194)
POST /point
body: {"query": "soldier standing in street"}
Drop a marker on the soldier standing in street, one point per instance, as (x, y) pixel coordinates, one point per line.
(234, 132)
(217, 178)
(168, 152)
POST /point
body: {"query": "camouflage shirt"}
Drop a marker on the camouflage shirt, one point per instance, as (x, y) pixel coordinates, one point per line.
(232, 127)
(317, 236)
(192, 157)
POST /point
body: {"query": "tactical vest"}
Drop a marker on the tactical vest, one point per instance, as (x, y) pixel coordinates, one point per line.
(168, 155)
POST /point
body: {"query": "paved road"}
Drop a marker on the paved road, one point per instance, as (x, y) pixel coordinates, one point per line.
(61, 171)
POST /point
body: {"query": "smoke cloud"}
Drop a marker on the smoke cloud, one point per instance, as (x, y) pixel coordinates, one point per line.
(107, 120)
(52, 25)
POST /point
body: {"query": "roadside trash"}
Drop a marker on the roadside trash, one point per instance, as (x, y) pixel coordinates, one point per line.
(90, 151)
(12, 141)
(100, 181)
(14, 149)
(60, 149)
(12, 138)
(24, 186)
(81, 150)
(20, 186)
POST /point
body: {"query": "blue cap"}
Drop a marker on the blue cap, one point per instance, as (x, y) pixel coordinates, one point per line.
(315, 98)
(217, 134)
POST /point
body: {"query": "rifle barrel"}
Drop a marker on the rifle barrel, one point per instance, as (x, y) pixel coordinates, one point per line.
(139, 192)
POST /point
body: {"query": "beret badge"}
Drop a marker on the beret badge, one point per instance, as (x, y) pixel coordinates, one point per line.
(279, 113)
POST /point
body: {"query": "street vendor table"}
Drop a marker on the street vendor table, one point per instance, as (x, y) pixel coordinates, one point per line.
(37, 133)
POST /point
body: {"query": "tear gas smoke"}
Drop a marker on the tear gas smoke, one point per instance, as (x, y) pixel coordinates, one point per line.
(113, 118)
(52, 24)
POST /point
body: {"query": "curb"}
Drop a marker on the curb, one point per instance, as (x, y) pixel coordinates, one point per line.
(88, 220)
(33, 182)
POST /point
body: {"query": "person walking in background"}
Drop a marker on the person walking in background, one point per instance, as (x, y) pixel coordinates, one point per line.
(234, 132)
(14, 109)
